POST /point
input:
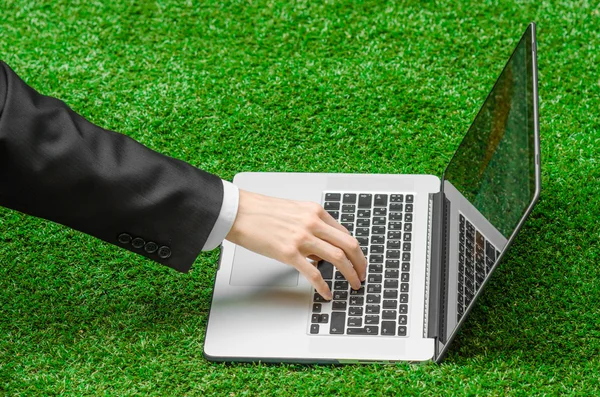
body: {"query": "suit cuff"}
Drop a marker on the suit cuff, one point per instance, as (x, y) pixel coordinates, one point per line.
(229, 209)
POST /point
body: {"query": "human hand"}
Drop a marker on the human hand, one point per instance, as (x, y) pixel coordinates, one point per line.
(292, 231)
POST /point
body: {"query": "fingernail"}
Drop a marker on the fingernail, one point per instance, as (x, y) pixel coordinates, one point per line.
(329, 296)
(363, 277)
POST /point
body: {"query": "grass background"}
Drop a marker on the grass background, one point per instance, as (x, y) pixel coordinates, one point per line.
(327, 86)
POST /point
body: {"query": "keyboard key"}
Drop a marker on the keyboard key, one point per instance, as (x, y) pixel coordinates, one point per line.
(374, 289)
(365, 200)
(408, 208)
(373, 309)
(368, 330)
(390, 284)
(396, 207)
(390, 304)
(403, 309)
(405, 278)
(372, 298)
(393, 244)
(324, 319)
(340, 295)
(338, 320)
(392, 273)
(354, 322)
(406, 267)
(363, 241)
(362, 232)
(395, 226)
(396, 198)
(376, 268)
(393, 254)
(394, 235)
(360, 291)
(355, 311)
(406, 247)
(349, 198)
(490, 251)
(375, 278)
(339, 275)
(357, 300)
(402, 330)
(334, 214)
(408, 218)
(314, 328)
(363, 222)
(377, 239)
(392, 264)
(388, 314)
(404, 287)
(339, 305)
(390, 293)
(410, 198)
(407, 237)
(379, 211)
(377, 249)
(365, 250)
(378, 230)
(381, 200)
(326, 269)
(379, 221)
(343, 285)
(316, 308)
(364, 213)
(396, 216)
(315, 318)
(388, 328)
(329, 205)
(333, 196)
(376, 258)
(347, 217)
(408, 227)
(402, 320)
(370, 320)
(405, 256)
(318, 298)
(403, 298)
(348, 208)
(479, 240)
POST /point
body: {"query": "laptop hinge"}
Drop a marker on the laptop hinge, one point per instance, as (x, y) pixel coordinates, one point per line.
(438, 270)
(433, 298)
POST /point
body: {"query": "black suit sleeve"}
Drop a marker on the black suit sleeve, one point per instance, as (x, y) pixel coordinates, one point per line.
(56, 165)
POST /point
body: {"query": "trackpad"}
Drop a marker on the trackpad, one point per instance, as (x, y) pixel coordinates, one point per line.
(251, 269)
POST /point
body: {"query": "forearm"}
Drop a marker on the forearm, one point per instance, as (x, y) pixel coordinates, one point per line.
(56, 165)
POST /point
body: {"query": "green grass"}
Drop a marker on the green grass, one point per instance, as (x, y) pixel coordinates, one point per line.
(330, 86)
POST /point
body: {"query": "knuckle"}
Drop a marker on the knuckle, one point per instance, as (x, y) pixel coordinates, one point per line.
(354, 245)
(314, 275)
(312, 222)
(288, 252)
(338, 255)
(315, 208)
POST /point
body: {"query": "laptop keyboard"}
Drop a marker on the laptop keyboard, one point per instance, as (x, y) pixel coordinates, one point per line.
(476, 256)
(382, 224)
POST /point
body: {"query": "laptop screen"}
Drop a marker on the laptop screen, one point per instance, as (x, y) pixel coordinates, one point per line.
(494, 166)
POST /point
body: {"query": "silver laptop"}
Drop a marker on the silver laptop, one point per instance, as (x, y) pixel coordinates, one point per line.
(431, 245)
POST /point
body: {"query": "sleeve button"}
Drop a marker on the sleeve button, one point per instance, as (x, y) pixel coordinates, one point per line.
(164, 252)
(124, 238)
(150, 247)
(138, 242)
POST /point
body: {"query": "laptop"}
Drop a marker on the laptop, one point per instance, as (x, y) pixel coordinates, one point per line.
(431, 243)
